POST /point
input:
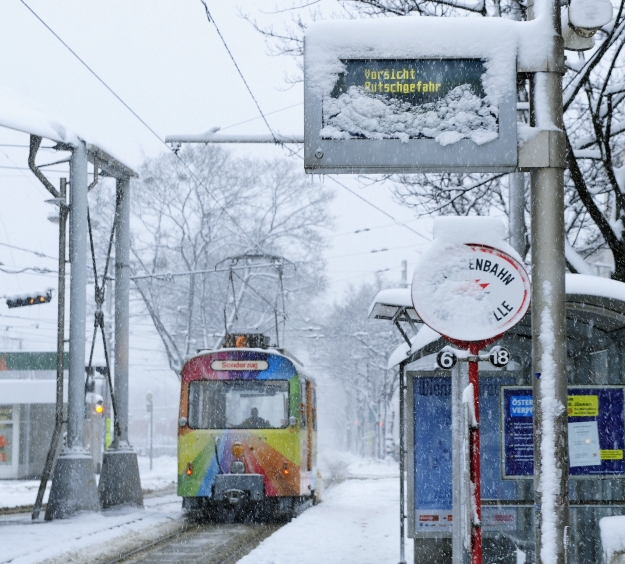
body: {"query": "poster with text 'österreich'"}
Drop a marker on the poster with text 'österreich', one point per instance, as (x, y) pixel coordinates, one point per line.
(596, 431)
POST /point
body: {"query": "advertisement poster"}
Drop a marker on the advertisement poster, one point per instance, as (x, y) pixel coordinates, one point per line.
(432, 455)
(596, 431)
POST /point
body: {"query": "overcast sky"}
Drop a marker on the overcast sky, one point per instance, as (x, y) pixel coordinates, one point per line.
(167, 62)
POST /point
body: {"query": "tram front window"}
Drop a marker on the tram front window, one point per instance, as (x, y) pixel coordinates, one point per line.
(238, 404)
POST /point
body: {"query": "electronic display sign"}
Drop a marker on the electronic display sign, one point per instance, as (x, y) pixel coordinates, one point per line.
(402, 95)
(596, 431)
(442, 100)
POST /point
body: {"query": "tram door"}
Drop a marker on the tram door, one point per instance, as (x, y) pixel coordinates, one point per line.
(303, 422)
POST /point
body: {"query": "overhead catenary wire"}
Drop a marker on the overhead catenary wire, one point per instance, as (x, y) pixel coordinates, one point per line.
(162, 141)
(211, 19)
(36, 253)
(186, 166)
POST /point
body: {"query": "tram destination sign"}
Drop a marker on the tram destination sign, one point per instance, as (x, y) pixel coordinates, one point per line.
(424, 112)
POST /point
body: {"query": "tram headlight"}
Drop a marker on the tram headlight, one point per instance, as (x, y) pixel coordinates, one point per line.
(189, 468)
(237, 450)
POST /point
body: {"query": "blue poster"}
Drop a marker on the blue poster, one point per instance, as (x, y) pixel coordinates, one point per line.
(432, 449)
(596, 431)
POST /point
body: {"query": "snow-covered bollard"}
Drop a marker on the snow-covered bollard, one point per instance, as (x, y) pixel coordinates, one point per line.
(613, 539)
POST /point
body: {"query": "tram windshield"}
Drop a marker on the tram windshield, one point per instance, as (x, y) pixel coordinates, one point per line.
(238, 404)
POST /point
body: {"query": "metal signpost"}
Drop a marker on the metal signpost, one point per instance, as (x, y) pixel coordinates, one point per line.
(489, 286)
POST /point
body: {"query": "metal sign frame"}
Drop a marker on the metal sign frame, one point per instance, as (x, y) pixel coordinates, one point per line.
(363, 156)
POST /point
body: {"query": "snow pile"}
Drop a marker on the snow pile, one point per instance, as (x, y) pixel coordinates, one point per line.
(20, 493)
(613, 539)
(461, 114)
(88, 537)
(480, 230)
(337, 466)
(163, 476)
(424, 337)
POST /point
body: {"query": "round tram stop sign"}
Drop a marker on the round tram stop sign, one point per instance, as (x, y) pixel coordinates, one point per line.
(470, 292)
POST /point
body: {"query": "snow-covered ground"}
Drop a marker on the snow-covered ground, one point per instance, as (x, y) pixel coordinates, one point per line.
(20, 493)
(357, 520)
(90, 537)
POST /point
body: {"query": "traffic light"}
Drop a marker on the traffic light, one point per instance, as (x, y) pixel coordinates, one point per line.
(26, 300)
(99, 407)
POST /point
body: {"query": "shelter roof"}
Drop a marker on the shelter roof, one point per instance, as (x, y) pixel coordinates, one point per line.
(21, 114)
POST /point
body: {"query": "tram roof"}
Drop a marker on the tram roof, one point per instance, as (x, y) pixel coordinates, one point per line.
(591, 302)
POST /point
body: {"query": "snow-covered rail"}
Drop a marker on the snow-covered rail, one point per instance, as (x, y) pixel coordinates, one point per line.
(214, 544)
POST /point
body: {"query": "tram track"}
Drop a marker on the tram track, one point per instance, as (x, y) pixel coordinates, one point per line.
(200, 544)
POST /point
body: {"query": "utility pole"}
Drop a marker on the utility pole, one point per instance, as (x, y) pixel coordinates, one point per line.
(120, 483)
(551, 467)
(60, 350)
(517, 212)
(150, 408)
(73, 484)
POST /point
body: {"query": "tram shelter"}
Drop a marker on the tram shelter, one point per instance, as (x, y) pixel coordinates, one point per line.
(595, 310)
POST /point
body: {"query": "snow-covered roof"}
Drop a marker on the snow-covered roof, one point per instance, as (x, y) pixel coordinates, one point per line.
(387, 303)
(585, 285)
(581, 290)
(17, 112)
(21, 114)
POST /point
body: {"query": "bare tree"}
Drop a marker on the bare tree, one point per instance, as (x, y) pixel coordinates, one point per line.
(353, 350)
(185, 224)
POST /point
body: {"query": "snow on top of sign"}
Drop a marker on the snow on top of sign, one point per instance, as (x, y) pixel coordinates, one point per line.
(469, 229)
(17, 112)
(490, 231)
(395, 38)
(590, 14)
(466, 292)
(498, 41)
(612, 536)
(576, 284)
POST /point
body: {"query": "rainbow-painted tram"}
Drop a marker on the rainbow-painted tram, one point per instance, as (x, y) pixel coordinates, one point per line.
(247, 435)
